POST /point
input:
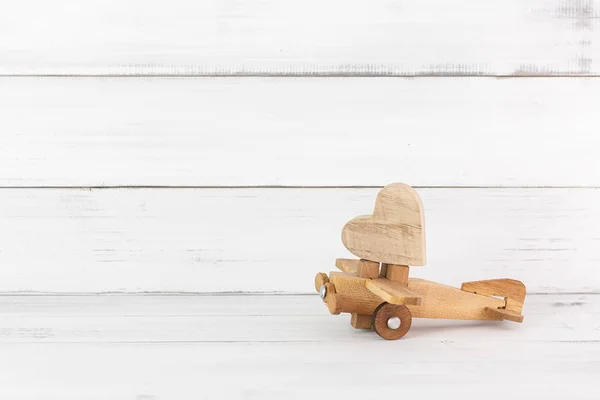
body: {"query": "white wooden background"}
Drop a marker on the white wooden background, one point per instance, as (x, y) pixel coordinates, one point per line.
(173, 174)
(275, 37)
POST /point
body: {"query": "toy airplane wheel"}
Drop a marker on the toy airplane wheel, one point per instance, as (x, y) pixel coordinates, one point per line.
(391, 321)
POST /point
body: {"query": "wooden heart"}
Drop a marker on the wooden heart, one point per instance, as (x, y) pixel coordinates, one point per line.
(395, 233)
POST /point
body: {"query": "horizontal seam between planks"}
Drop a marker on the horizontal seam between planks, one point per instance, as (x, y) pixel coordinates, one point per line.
(217, 294)
(146, 293)
(92, 187)
(158, 342)
(307, 75)
(165, 342)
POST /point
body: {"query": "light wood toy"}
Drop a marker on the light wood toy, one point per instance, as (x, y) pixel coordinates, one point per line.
(376, 289)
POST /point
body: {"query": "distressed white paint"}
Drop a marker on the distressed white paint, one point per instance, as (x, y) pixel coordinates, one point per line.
(275, 240)
(379, 37)
(288, 131)
(265, 318)
(273, 347)
(271, 371)
(295, 132)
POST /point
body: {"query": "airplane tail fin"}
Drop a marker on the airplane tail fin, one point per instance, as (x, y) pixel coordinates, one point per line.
(511, 290)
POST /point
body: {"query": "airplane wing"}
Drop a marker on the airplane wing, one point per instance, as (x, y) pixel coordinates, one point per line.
(392, 292)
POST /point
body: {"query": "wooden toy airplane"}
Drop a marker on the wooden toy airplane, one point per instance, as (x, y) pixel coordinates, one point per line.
(376, 288)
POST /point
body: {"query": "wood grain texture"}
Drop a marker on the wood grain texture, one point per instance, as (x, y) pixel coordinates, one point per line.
(396, 273)
(392, 292)
(497, 287)
(382, 316)
(352, 295)
(347, 265)
(367, 269)
(361, 321)
(298, 132)
(320, 280)
(511, 290)
(276, 240)
(186, 37)
(447, 302)
(151, 347)
(504, 314)
(265, 318)
(394, 233)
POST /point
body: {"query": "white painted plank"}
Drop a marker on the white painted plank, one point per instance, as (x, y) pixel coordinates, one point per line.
(470, 37)
(551, 355)
(267, 318)
(141, 371)
(275, 240)
(299, 132)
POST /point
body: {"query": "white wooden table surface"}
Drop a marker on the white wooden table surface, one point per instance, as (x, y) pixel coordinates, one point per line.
(272, 347)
